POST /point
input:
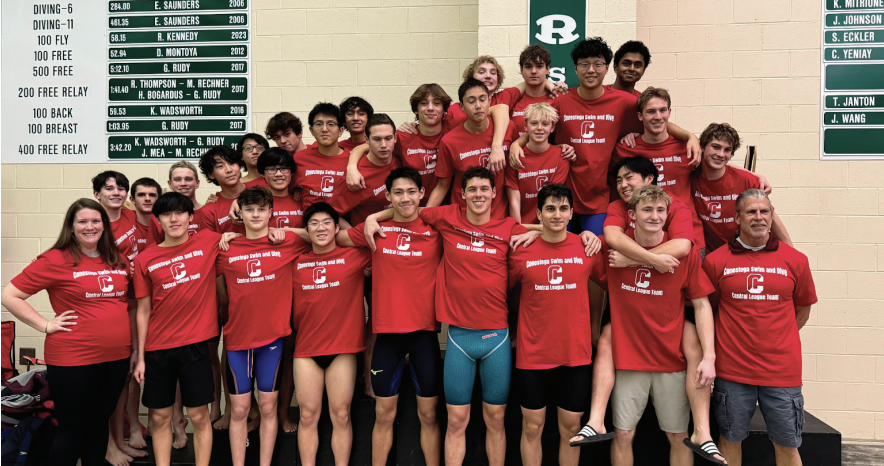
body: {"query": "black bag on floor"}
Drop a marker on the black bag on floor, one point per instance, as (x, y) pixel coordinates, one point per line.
(29, 442)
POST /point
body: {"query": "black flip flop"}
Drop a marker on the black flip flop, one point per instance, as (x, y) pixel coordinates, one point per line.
(591, 436)
(707, 451)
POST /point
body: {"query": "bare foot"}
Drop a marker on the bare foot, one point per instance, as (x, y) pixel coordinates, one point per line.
(287, 425)
(223, 423)
(700, 440)
(179, 435)
(600, 429)
(136, 440)
(131, 451)
(116, 457)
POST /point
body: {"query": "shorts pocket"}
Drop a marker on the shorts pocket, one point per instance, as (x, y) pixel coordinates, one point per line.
(798, 406)
(719, 400)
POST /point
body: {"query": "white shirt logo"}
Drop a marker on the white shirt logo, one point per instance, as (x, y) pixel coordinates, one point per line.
(253, 267)
(714, 209)
(753, 283)
(554, 274)
(641, 278)
(476, 240)
(104, 282)
(659, 171)
(178, 271)
(319, 275)
(541, 181)
(402, 242)
(430, 161)
(586, 129)
(327, 184)
(565, 31)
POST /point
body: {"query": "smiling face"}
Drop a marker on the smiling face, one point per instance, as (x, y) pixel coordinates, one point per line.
(144, 198)
(184, 181)
(356, 119)
(539, 130)
(224, 172)
(405, 197)
(111, 195)
(175, 223)
(321, 229)
(717, 154)
(478, 195)
(487, 73)
(555, 214)
(591, 72)
(631, 68)
(285, 139)
(256, 217)
(278, 177)
(755, 218)
(87, 229)
(649, 216)
(430, 110)
(628, 182)
(655, 115)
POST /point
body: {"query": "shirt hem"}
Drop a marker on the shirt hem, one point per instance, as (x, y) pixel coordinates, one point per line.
(87, 362)
(761, 383)
(536, 367)
(662, 370)
(182, 343)
(431, 328)
(255, 345)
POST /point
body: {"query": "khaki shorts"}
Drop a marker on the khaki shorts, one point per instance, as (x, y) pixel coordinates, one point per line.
(630, 397)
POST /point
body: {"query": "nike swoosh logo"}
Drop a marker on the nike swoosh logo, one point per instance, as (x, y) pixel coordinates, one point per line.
(272, 348)
(373, 372)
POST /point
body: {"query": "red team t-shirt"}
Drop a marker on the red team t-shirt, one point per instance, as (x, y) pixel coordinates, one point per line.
(455, 116)
(180, 281)
(420, 153)
(329, 312)
(517, 111)
(637, 93)
(258, 275)
(593, 128)
(215, 217)
(472, 282)
(716, 203)
(287, 213)
(539, 170)
(403, 269)
(678, 225)
(460, 150)
(647, 312)
(360, 204)
(97, 295)
(125, 234)
(673, 172)
(554, 324)
(317, 175)
(259, 182)
(195, 223)
(756, 333)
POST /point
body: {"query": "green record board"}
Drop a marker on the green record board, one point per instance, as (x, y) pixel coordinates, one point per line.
(852, 88)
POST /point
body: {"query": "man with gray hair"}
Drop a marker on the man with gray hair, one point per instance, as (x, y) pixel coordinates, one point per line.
(765, 290)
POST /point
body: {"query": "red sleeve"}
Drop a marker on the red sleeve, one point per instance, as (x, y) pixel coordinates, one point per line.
(562, 169)
(143, 285)
(207, 220)
(513, 132)
(35, 277)
(444, 162)
(713, 269)
(515, 271)
(617, 216)
(805, 290)
(698, 284)
(682, 224)
(597, 272)
(511, 178)
(433, 215)
(631, 123)
(518, 229)
(357, 236)
(343, 200)
(509, 96)
(155, 232)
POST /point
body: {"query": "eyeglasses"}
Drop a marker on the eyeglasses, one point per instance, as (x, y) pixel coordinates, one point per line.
(597, 66)
(273, 170)
(317, 125)
(316, 223)
(258, 148)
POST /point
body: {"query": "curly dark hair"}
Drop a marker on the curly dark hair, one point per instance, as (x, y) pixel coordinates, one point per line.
(592, 48)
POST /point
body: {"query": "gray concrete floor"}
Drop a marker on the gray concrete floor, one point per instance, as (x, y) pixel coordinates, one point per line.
(857, 453)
